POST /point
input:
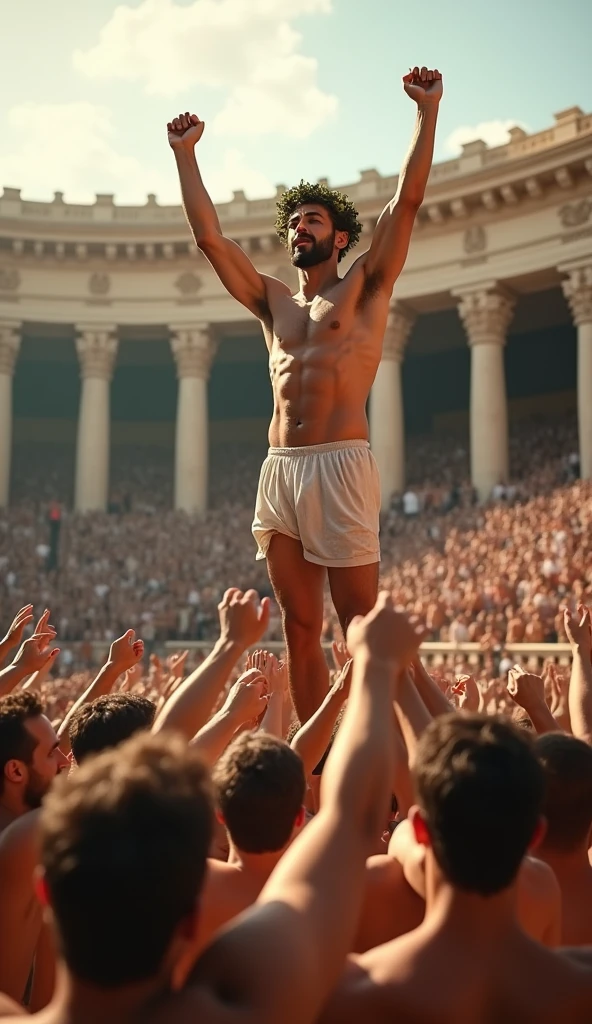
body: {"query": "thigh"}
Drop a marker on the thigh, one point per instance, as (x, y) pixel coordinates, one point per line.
(354, 590)
(298, 585)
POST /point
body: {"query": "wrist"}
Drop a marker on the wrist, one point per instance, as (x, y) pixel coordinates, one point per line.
(226, 645)
(368, 659)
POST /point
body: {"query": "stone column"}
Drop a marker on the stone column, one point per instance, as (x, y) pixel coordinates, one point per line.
(578, 292)
(193, 349)
(387, 429)
(10, 339)
(486, 314)
(97, 348)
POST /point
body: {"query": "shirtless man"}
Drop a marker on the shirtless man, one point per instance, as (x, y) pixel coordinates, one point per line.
(470, 960)
(567, 765)
(124, 843)
(317, 509)
(259, 790)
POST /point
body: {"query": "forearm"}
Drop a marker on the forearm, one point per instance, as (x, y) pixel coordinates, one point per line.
(313, 738)
(213, 738)
(412, 714)
(5, 649)
(199, 208)
(541, 717)
(357, 779)
(416, 168)
(429, 691)
(102, 684)
(580, 695)
(10, 678)
(402, 782)
(272, 721)
(191, 704)
(35, 680)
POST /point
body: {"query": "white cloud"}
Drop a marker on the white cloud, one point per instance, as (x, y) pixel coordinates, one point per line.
(70, 147)
(494, 133)
(247, 49)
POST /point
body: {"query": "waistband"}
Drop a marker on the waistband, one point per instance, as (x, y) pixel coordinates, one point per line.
(319, 449)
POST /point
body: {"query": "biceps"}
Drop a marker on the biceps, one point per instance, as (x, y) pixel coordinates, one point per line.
(237, 273)
(390, 244)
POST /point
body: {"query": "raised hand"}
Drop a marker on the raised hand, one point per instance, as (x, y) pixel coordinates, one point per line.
(525, 687)
(467, 691)
(340, 655)
(384, 634)
(247, 698)
(16, 629)
(34, 654)
(45, 629)
(176, 664)
(243, 617)
(126, 652)
(342, 684)
(578, 629)
(185, 130)
(423, 86)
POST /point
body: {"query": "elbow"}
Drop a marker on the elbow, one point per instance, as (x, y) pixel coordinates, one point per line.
(411, 201)
(207, 240)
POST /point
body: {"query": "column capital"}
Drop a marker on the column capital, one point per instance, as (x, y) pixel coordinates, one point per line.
(96, 346)
(10, 340)
(486, 313)
(577, 289)
(399, 324)
(194, 349)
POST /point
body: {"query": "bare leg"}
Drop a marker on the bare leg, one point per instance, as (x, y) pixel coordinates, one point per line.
(354, 591)
(298, 586)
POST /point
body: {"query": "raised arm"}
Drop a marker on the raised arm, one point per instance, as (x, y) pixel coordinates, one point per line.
(231, 264)
(243, 620)
(123, 654)
(313, 738)
(386, 257)
(580, 685)
(280, 961)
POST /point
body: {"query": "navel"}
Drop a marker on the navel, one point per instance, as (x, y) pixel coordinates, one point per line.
(335, 325)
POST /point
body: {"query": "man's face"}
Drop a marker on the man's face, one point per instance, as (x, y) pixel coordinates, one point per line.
(46, 762)
(311, 236)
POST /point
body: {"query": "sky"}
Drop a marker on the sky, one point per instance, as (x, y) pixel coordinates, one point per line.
(287, 88)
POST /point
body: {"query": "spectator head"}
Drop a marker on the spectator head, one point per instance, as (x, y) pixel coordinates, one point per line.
(480, 792)
(109, 721)
(124, 843)
(259, 787)
(30, 757)
(567, 768)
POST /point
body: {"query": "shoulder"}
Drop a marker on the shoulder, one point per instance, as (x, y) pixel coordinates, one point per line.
(538, 879)
(19, 843)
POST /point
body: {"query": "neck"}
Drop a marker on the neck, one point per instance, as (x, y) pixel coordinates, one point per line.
(480, 920)
(79, 1002)
(10, 810)
(314, 280)
(568, 865)
(259, 865)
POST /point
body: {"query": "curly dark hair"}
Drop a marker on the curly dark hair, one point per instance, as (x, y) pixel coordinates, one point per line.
(342, 211)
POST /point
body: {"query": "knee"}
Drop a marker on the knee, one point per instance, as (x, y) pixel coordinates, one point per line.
(302, 629)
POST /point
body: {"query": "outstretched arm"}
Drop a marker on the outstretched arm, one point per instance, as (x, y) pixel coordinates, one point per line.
(386, 257)
(231, 264)
(281, 960)
(578, 630)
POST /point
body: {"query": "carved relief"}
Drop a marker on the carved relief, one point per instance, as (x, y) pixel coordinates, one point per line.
(189, 284)
(99, 284)
(475, 239)
(9, 279)
(573, 214)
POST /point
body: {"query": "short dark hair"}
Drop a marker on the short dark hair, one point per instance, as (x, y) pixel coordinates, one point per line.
(567, 769)
(16, 743)
(480, 788)
(259, 785)
(109, 721)
(124, 842)
(341, 210)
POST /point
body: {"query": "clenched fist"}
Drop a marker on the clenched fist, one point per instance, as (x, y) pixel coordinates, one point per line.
(424, 86)
(185, 130)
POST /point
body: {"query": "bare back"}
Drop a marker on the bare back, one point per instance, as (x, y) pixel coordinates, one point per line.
(440, 977)
(323, 357)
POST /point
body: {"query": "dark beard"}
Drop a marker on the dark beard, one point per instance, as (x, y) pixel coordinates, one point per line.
(319, 252)
(35, 790)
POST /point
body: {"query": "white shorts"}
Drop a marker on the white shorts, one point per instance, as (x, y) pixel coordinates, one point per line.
(327, 496)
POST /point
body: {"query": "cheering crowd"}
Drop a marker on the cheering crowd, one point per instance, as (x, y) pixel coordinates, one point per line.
(496, 574)
(176, 846)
